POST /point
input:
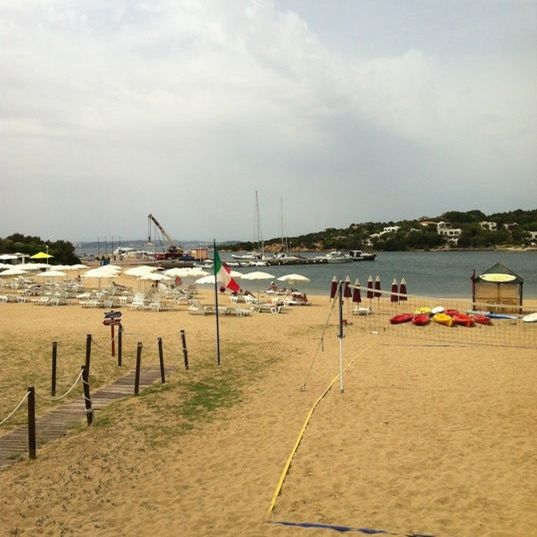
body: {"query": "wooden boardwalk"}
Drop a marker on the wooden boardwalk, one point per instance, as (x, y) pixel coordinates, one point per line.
(58, 421)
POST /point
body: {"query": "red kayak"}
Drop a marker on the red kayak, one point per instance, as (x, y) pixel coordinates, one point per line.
(421, 319)
(451, 313)
(463, 319)
(482, 319)
(401, 318)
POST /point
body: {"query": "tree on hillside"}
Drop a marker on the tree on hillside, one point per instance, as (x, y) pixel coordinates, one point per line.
(63, 251)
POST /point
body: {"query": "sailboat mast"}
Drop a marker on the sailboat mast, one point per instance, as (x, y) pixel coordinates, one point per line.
(260, 243)
(285, 245)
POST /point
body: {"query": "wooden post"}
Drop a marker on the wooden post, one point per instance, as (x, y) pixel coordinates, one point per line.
(185, 351)
(161, 360)
(87, 397)
(138, 365)
(88, 355)
(112, 339)
(53, 373)
(119, 345)
(32, 445)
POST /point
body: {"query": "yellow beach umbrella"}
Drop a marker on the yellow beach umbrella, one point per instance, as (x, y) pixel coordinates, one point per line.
(41, 255)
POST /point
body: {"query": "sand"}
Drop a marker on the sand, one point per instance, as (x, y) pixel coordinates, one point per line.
(425, 438)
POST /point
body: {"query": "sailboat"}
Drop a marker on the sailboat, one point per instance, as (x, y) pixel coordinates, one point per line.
(284, 257)
(257, 257)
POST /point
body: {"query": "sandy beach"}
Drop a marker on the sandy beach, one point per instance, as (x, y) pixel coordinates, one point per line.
(427, 437)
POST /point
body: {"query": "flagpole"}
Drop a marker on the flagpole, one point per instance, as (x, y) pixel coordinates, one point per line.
(216, 305)
(340, 336)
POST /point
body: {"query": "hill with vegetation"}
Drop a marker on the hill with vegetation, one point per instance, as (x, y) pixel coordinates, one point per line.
(63, 252)
(471, 229)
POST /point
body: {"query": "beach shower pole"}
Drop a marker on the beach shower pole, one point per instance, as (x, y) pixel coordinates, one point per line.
(340, 336)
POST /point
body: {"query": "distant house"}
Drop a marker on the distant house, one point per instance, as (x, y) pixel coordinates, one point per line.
(510, 227)
(491, 226)
(427, 223)
(448, 232)
(532, 235)
(390, 229)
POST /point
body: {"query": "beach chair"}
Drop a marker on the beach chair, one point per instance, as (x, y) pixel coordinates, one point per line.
(238, 312)
(157, 304)
(267, 308)
(138, 302)
(362, 310)
(197, 308)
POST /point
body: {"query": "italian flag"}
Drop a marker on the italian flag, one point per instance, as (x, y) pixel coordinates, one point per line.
(222, 274)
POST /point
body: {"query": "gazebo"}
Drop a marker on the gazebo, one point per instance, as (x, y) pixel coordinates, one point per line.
(497, 289)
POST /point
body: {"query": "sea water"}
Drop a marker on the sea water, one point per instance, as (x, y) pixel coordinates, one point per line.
(442, 274)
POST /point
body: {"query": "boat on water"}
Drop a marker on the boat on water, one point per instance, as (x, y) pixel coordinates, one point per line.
(335, 256)
(360, 255)
(338, 256)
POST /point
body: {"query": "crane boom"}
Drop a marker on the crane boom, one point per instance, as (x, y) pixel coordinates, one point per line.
(162, 230)
(173, 251)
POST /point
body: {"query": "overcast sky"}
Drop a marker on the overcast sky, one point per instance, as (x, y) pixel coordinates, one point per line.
(350, 111)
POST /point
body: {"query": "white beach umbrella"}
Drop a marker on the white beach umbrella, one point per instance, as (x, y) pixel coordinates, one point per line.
(197, 271)
(257, 275)
(155, 276)
(140, 270)
(8, 257)
(293, 278)
(52, 274)
(100, 273)
(15, 271)
(181, 272)
(33, 266)
(210, 277)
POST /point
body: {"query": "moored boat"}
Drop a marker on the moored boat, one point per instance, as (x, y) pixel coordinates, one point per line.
(360, 255)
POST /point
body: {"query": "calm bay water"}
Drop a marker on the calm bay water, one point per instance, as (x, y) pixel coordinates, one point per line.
(445, 274)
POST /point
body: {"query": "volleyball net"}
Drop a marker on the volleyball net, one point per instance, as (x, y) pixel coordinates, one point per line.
(372, 311)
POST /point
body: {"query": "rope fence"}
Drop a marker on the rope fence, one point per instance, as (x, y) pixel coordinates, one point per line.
(15, 409)
(52, 399)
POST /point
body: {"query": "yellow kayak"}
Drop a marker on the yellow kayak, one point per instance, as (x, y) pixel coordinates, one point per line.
(423, 309)
(443, 318)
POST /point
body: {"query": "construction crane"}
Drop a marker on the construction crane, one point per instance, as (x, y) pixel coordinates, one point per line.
(173, 251)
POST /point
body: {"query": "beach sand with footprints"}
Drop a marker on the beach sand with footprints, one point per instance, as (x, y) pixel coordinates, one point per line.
(429, 438)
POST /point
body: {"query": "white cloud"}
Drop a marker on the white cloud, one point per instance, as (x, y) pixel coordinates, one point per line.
(127, 108)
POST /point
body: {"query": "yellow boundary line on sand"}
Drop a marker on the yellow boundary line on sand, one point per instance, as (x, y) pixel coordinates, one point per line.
(299, 438)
